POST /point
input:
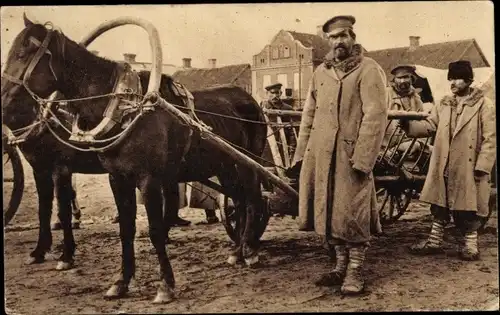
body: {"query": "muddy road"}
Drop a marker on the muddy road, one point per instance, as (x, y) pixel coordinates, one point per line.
(396, 280)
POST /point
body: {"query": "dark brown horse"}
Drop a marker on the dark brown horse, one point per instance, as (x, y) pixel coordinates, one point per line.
(158, 153)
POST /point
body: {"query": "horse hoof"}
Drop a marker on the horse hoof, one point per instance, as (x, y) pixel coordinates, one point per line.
(232, 260)
(63, 265)
(75, 225)
(116, 291)
(252, 261)
(34, 260)
(164, 296)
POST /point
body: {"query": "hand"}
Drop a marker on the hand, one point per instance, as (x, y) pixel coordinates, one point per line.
(478, 175)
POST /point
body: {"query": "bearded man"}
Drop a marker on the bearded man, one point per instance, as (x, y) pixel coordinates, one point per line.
(401, 95)
(457, 184)
(341, 132)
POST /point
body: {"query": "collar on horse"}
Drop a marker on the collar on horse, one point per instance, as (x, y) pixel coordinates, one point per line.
(127, 91)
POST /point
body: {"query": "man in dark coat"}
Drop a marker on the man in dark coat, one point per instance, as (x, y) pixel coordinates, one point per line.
(461, 162)
(341, 132)
(274, 101)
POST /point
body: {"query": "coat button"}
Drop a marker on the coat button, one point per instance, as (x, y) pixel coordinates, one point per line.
(470, 147)
(470, 160)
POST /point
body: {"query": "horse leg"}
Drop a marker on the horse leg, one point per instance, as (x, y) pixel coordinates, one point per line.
(45, 190)
(151, 189)
(62, 181)
(253, 201)
(76, 210)
(171, 205)
(228, 182)
(124, 193)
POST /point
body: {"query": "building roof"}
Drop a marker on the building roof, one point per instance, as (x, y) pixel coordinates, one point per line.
(195, 78)
(437, 55)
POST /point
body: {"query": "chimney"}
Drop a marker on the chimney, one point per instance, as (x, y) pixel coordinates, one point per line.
(95, 52)
(319, 31)
(130, 58)
(212, 63)
(186, 62)
(414, 42)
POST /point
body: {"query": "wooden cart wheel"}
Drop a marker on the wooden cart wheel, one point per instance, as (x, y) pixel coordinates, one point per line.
(393, 204)
(232, 221)
(13, 182)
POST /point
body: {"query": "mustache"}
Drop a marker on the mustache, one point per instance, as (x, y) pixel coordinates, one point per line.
(340, 46)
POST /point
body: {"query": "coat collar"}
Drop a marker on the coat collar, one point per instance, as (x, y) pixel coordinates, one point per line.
(469, 107)
(470, 101)
(347, 65)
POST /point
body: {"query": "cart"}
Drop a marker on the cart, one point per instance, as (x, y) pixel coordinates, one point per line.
(399, 172)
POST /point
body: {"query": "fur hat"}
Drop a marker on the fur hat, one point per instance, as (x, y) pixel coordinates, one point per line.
(460, 69)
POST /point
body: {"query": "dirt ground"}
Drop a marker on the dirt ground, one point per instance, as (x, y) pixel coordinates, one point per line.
(396, 280)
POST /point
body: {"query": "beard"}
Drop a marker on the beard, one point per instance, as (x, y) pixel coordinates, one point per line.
(341, 52)
(403, 86)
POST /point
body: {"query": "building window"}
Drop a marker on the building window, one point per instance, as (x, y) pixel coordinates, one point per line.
(262, 60)
(275, 53)
(301, 56)
(283, 79)
(266, 80)
(286, 52)
(281, 51)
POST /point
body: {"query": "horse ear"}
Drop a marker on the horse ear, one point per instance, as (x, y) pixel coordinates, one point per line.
(27, 21)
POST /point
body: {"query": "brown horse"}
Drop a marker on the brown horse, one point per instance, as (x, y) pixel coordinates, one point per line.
(158, 153)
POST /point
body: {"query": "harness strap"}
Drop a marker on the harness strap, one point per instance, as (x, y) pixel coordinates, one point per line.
(38, 55)
(45, 46)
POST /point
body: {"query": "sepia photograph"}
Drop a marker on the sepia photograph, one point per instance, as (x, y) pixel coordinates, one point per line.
(249, 158)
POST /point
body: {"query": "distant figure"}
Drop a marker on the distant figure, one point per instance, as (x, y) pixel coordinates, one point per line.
(206, 198)
(274, 101)
(461, 162)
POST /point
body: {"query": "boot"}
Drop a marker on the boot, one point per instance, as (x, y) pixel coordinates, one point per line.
(433, 244)
(468, 247)
(354, 282)
(336, 276)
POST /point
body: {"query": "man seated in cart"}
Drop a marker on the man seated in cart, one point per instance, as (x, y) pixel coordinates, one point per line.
(461, 162)
(403, 96)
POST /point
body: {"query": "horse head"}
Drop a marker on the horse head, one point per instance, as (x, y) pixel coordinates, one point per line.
(31, 72)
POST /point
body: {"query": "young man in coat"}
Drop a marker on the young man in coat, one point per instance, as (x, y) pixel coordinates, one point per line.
(461, 162)
(274, 101)
(341, 131)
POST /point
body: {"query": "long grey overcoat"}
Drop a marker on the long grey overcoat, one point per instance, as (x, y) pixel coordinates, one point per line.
(472, 147)
(345, 118)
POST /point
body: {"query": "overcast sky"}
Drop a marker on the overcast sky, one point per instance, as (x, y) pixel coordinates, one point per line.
(233, 33)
